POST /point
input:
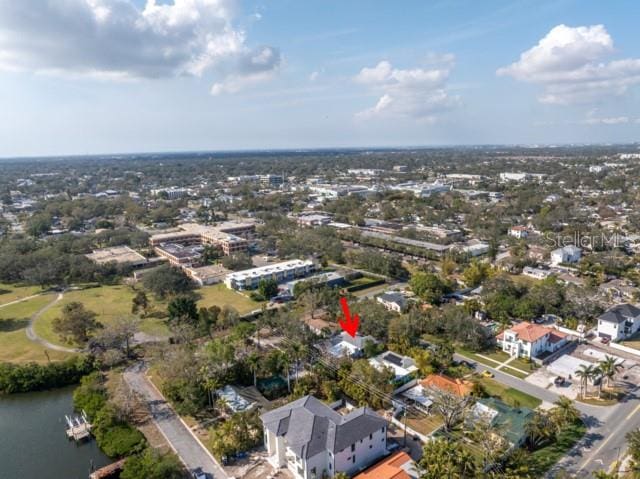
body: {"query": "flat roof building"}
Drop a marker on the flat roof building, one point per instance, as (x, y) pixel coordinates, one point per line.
(279, 272)
(117, 254)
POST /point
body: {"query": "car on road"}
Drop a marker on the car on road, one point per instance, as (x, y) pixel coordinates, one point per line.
(605, 340)
(559, 381)
(198, 473)
(487, 374)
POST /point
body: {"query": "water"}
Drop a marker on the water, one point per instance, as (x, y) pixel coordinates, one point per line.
(33, 443)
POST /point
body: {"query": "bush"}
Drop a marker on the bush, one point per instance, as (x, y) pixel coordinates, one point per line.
(37, 377)
(151, 464)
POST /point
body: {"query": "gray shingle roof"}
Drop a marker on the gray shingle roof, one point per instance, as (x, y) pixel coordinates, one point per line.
(619, 314)
(310, 426)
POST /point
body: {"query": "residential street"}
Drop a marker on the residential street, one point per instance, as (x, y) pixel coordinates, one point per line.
(603, 444)
(190, 451)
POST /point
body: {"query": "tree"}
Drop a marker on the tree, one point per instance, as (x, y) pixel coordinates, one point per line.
(366, 384)
(237, 262)
(140, 302)
(240, 433)
(166, 280)
(151, 464)
(118, 335)
(76, 324)
(609, 368)
(183, 309)
(490, 438)
(564, 413)
(539, 429)
(476, 273)
(585, 373)
(633, 444)
(429, 287)
(442, 458)
(451, 407)
(268, 288)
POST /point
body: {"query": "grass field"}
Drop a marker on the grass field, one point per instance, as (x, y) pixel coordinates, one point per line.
(632, 342)
(219, 295)
(108, 302)
(14, 345)
(11, 292)
(510, 396)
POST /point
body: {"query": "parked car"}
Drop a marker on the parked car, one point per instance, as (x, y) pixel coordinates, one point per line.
(487, 374)
(559, 381)
(605, 340)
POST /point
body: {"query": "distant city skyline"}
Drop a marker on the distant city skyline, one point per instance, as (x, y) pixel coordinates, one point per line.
(132, 76)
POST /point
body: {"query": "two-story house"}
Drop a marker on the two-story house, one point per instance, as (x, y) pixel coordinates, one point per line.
(313, 441)
(619, 322)
(530, 340)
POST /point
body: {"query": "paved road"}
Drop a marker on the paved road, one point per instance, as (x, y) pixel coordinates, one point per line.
(177, 434)
(603, 444)
(31, 333)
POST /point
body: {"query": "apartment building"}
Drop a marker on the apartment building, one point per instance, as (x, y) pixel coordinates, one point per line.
(279, 272)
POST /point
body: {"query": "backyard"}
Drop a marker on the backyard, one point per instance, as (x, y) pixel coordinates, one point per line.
(508, 395)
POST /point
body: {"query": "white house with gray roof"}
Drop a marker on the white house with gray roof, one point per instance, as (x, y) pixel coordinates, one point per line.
(619, 322)
(313, 441)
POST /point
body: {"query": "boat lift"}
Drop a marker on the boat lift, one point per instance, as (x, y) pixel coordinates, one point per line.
(78, 426)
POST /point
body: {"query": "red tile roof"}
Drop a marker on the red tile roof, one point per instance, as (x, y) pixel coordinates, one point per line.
(445, 383)
(389, 468)
(531, 333)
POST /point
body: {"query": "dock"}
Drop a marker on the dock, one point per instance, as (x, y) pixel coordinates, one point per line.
(108, 471)
(78, 427)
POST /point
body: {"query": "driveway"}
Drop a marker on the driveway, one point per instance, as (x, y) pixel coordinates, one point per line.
(178, 435)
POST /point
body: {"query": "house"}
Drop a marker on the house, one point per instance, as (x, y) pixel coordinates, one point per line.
(393, 301)
(519, 232)
(396, 466)
(530, 340)
(536, 273)
(457, 387)
(619, 322)
(568, 254)
(403, 367)
(509, 420)
(345, 345)
(312, 440)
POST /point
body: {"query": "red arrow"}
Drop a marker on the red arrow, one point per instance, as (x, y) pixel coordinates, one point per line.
(350, 323)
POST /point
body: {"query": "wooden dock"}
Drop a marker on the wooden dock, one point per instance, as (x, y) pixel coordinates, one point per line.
(78, 427)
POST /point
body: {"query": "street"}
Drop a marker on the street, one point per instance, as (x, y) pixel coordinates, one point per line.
(179, 437)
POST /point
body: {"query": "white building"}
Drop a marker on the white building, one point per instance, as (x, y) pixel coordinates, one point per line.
(403, 367)
(529, 340)
(536, 273)
(173, 193)
(476, 249)
(279, 272)
(568, 254)
(619, 322)
(393, 301)
(519, 232)
(423, 190)
(520, 177)
(597, 168)
(313, 441)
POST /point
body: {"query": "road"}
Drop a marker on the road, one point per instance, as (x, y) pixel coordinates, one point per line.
(603, 444)
(178, 435)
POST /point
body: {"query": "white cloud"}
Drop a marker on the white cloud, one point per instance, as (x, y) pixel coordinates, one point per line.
(592, 118)
(417, 93)
(115, 39)
(570, 63)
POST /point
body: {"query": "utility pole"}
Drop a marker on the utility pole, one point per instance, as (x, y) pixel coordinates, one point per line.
(404, 422)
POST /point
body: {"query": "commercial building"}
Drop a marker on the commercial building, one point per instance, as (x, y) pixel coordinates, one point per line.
(279, 272)
(423, 190)
(172, 193)
(231, 236)
(312, 440)
(180, 254)
(117, 254)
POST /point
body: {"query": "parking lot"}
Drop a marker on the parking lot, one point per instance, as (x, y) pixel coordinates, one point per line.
(585, 354)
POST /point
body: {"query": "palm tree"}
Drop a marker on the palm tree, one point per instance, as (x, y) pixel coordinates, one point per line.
(564, 413)
(297, 351)
(253, 361)
(584, 373)
(609, 368)
(539, 429)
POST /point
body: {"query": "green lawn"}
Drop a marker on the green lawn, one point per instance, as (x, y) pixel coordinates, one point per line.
(632, 342)
(542, 460)
(518, 367)
(12, 292)
(510, 396)
(108, 302)
(14, 345)
(219, 295)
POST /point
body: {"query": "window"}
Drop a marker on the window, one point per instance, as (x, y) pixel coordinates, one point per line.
(370, 446)
(353, 447)
(354, 459)
(370, 437)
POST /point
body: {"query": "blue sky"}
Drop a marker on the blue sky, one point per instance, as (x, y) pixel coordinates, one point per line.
(101, 76)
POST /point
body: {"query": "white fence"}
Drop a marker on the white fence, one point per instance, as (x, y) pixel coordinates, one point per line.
(624, 348)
